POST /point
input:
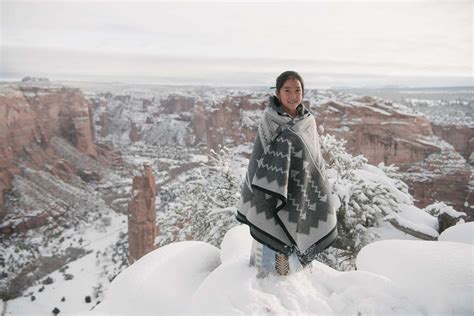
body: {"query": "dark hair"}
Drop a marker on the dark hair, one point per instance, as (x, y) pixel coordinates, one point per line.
(283, 77)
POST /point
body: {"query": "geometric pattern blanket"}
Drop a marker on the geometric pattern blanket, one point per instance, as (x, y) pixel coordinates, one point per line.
(286, 199)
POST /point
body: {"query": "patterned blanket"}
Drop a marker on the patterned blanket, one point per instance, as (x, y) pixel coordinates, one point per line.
(286, 199)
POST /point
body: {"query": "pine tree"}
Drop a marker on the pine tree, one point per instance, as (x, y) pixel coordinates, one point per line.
(203, 206)
(363, 203)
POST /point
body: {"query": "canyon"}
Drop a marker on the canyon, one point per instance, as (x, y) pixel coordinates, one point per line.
(73, 156)
(433, 159)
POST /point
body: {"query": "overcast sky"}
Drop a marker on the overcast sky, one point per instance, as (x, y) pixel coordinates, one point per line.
(334, 42)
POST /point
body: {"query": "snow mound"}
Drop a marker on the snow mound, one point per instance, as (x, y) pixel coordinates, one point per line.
(463, 233)
(234, 289)
(395, 277)
(439, 276)
(236, 244)
(162, 282)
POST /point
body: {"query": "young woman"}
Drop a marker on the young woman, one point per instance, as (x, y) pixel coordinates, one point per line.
(286, 199)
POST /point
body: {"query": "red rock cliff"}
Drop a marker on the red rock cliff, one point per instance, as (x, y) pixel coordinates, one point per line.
(461, 137)
(212, 125)
(377, 131)
(382, 132)
(31, 116)
(142, 215)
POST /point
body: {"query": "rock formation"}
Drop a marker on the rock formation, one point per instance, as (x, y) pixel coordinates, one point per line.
(30, 114)
(29, 117)
(177, 104)
(142, 215)
(444, 176)
(461, 137)
(378, 131)
(224, 122)
(134, 134)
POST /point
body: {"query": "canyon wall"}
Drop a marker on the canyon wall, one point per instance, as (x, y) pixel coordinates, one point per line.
(430, 158)
(30, 117)
(460, 136)
(378, 131)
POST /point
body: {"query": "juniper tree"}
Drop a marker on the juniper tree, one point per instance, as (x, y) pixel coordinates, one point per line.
(363, 202)
(203, 206)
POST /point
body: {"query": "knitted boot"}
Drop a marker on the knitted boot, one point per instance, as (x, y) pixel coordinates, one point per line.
(282, 265)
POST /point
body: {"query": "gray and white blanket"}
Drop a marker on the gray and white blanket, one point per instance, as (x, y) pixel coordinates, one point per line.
(286, 198)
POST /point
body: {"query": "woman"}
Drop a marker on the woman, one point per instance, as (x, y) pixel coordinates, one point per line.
(286, 199)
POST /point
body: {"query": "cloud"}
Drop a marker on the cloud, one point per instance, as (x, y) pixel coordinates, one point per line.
(394, 38)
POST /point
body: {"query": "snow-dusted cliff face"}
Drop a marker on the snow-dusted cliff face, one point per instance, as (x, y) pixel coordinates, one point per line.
(29, 117)
(33, 122)
(54, 179)
(450, 110)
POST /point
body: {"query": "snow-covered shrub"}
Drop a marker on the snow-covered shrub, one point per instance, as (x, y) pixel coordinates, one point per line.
(338, 158)
(365, 201)
(203, 203)
(447, 215)
(393, 173)
(438, 208)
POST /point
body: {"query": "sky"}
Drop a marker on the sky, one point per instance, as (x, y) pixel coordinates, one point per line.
(356, 43)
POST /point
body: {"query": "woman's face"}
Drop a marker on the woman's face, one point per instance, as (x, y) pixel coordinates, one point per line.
(290, 95)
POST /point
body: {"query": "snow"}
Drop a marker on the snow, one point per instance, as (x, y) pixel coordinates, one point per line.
(199, 158)
(394, 123)
(425, 222)
(236, 245)
(86, 277)
(463, 233)
(243, 149)
(436, 142)
(234, 289)
(162, 282)
(375, 174)
(444, 110)
(250, 118)
(374, 109)
(438, 276)
(388, 231)
(439, 208)
(189, 278)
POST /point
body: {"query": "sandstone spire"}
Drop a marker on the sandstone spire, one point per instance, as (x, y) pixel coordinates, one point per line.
(141, 215)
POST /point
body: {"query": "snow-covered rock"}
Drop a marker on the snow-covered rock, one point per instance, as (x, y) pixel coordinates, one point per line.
(463, 233)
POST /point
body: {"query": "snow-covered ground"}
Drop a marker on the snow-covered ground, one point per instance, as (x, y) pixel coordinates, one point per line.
(394, 277)
(87, 274)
